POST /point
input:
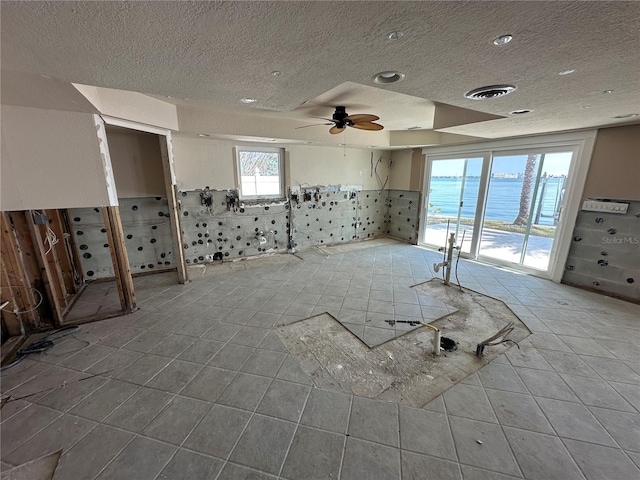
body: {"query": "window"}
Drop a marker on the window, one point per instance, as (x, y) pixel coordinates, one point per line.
(260, 172)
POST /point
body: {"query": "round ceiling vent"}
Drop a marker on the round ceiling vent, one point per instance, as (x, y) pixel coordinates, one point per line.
(492, 91)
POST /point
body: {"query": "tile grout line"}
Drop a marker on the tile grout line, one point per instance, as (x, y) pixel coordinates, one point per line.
(346, 437)
(253, 413)
(297, 423)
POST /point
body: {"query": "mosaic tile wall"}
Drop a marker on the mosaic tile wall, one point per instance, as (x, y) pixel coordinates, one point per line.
(145, 222)
(605, 252)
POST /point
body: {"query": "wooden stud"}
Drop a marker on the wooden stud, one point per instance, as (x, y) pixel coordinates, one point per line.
(61, 252)
(54, 262)
(49, 278)
(120, 259)
(174, 214)
(16, 278)
(22, 234)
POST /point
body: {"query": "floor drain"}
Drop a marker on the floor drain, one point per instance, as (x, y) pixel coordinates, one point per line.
(448, 345)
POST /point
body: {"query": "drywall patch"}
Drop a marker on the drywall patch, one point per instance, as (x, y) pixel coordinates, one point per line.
(147, 231)
(605, 252)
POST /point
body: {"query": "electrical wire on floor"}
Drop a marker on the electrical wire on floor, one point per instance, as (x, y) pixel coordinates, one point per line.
(42, 345)
(17, 312)
(492, 341)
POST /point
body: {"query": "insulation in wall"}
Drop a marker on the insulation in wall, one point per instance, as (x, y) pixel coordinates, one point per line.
(145, 222)
(605, 252)
(402, 215)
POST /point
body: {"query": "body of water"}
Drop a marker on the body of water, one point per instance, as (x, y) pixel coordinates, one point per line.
(503, 201)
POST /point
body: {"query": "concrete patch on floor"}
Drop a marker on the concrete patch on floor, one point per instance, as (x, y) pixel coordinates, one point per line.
(212, 269)
(358, 245)
(41, 468)
(404, 369)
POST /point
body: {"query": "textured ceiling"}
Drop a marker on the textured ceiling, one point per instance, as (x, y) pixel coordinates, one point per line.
(215, 53)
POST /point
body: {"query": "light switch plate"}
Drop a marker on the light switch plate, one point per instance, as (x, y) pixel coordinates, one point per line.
(608, 207)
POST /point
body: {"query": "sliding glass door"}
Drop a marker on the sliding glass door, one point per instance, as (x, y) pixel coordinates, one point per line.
(506, 204)
(523, 207)
(454, 185)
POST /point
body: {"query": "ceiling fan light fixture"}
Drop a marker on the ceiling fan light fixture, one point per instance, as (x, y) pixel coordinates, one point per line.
(389, 76)
(276, 73)
(395, 35)
(491, 91)
(502, 39)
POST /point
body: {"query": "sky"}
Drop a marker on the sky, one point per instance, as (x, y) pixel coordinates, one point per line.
(554, 164)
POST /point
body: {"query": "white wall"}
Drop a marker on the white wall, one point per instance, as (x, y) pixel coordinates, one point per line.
(400, 169)
(205, 162)
(133, 106)
(137, 163)
(50, 159)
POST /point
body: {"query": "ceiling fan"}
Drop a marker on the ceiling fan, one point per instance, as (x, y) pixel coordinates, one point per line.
(341, 120)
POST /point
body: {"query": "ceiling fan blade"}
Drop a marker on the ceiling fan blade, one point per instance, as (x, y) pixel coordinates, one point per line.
(335, 129)
(368, 126)
(314, 125)
(327, 119)
(362, 117)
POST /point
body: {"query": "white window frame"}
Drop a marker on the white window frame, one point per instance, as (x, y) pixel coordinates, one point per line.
(280, 152)
(581, 142)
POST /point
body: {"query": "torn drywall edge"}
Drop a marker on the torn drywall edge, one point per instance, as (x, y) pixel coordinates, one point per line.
(106, 160)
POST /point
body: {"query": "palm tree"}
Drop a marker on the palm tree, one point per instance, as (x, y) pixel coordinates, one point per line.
(525, 195)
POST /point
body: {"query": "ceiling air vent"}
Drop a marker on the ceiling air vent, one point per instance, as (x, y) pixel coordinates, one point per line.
(492, 91)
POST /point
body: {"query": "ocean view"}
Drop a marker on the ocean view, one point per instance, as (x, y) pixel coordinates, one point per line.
(502, 203)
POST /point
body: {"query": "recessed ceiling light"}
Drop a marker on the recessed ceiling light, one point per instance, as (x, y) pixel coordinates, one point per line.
(248, 100)
(520, 112)
(395, 35)
(627, 115)
(491, 91)
(503, 39)
(566, 72)
(606, 92)
(388, 77)
(204, 135)
(276, 73)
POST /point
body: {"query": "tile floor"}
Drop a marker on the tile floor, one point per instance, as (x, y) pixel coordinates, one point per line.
(196, 385)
